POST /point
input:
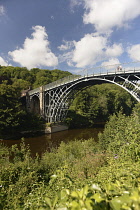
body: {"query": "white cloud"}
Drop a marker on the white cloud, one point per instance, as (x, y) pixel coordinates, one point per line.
(89, 50)
(115, 50)
(66, 57)
(105, 14)
(36, 50)
(134, 52)
(110, 63)
(2, 10)
(67, 45)
(74, 3)
(3, 62)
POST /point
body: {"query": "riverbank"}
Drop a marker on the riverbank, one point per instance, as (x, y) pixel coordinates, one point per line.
(24, 134)
(31, 133)
(47, 129)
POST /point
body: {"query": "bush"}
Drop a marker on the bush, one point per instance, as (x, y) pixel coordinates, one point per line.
(20, 174)
(121, 136)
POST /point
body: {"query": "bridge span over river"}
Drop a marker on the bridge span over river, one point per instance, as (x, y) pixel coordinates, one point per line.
(52, 100)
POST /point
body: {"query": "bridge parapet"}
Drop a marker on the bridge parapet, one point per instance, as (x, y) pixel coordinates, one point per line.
(62, 81)
(32, 92)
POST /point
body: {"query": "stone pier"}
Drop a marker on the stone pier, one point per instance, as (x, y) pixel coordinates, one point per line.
(56, 128)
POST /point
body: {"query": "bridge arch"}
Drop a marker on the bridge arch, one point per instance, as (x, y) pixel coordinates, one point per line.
(35, 104)
(79, 85)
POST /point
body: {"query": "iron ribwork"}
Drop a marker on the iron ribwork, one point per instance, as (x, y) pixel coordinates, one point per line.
(56, 97)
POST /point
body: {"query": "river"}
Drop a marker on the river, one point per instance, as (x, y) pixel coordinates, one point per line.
(40, 144)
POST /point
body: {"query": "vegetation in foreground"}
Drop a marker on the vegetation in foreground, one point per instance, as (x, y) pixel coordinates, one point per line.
(78, 175)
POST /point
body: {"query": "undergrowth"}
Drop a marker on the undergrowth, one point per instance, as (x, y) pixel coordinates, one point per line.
(78, 175)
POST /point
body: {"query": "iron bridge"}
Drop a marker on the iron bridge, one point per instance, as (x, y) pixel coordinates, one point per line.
(53, 100)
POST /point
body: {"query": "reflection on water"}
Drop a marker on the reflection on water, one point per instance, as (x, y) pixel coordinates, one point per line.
(42, 143)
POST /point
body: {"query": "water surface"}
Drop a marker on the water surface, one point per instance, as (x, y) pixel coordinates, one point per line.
(40, 144)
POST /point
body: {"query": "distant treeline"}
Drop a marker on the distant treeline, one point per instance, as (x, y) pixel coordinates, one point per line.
(23, 78)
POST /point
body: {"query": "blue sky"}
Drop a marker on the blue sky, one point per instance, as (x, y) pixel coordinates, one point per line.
(69, 34)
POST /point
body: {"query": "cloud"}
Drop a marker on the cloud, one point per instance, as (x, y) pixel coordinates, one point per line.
(110, 63)
(3, 62)
(134, 52)
(115, 50)
(67, 45)
(90, 50)
(74, 3)
(106, 14)
(2, 10)
(36, 50)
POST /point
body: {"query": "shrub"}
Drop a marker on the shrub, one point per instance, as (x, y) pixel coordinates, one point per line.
(122, 136)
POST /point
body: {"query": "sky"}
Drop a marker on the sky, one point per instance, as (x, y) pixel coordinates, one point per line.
(69, 35)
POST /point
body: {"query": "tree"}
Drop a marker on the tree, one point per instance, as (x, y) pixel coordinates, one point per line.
(42, 78)
(21, 84)
(11, 113)
(98, 102)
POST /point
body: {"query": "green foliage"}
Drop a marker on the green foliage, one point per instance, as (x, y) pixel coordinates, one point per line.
(95, 104)
(21, 84)
(136, 112)
(13, 117)
(32, 122)
(79, 174)
(19, 176)
(122, 136)
(88, 197)
(42, 78)
(10, 108)
(75, 120)
(24, 78)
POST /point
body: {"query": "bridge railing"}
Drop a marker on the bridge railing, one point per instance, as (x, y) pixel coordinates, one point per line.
(32, 92)
(75, 77)
(112, 69)
(61, 81)
(123, 71)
